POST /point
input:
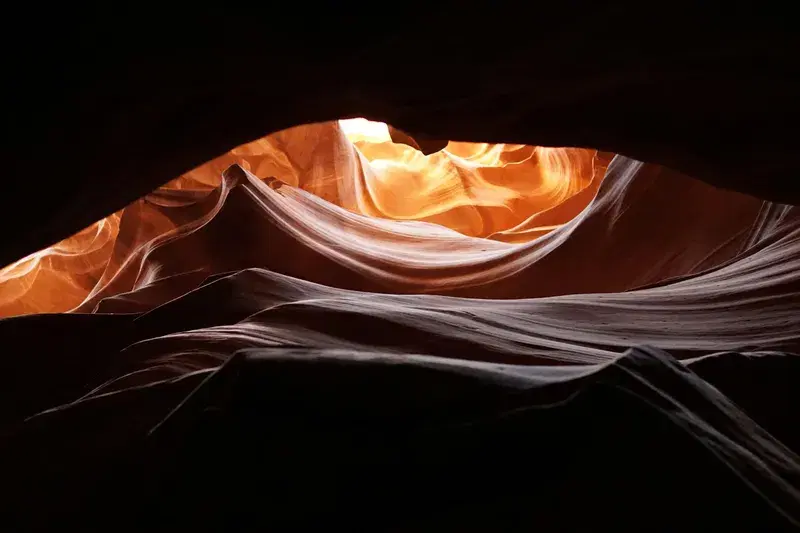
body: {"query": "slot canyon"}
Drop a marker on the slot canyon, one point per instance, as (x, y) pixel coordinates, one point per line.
(393, 278)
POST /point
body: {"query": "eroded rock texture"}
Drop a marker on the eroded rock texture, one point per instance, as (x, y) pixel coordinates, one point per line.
(556, 338)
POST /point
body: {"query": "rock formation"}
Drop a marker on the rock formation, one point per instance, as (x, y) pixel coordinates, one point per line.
(267, 321)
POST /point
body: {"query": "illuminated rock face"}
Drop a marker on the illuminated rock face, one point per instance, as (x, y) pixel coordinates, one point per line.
(585, 259)
(342, 205)
(523, 267)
